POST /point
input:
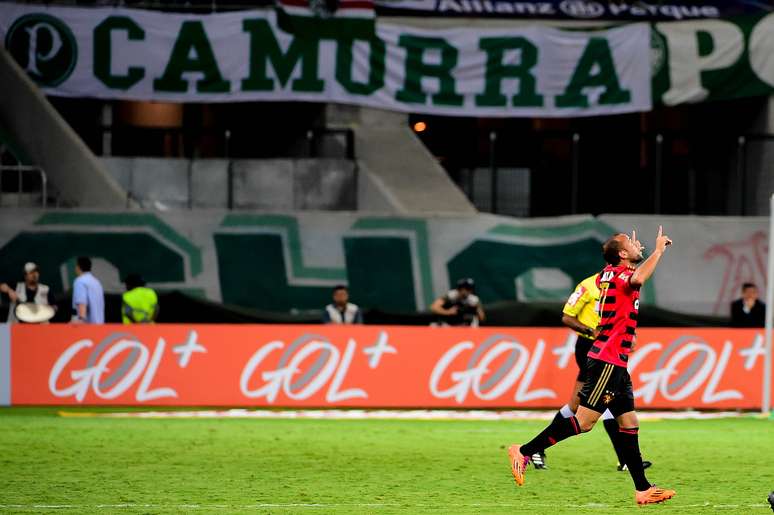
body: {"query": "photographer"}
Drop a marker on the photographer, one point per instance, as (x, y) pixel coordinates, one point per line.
(460, 306)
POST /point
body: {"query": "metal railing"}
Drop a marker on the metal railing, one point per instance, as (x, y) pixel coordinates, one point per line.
(226, 143)
(229, 145)
(490, 161)
(186, 183)
(21, 171)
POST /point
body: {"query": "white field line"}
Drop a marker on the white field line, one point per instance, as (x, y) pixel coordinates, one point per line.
(357, 414)
(358, 505)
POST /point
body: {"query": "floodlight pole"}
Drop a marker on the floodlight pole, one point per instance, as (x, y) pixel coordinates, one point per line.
(766, 404)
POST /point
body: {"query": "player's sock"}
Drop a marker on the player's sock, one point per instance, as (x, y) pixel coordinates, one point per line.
(556, 431)
(564, 412)
(630, 449)
(611, 426)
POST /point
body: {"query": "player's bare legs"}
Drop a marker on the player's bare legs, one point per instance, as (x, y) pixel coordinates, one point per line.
(586, 418)
(575, 398)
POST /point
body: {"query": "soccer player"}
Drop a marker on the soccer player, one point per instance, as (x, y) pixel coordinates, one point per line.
(581, 314)
(607, 384)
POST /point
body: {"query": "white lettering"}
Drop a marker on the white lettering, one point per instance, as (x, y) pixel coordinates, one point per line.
(93, 376)
(142, 392)
(272, 379)
(522, 393)
(761, 43)
(479, 377)
(333, 394)
(751, 353)
(287, 378)
(460, 390)
(33, 56)
(709, 393)
(566, 351)
(81, 386)
(686, 64)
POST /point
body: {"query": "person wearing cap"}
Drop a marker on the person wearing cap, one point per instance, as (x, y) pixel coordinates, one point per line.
(140, 305)
(88, 295)
(29, 290)
(460, 306)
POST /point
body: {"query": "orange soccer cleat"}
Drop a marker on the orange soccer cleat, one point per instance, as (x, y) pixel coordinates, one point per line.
(518, 463)
(653, 495)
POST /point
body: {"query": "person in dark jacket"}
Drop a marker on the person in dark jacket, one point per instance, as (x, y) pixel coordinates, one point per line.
(748, 311)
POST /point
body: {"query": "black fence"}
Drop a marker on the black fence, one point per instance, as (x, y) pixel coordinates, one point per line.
(546, 173)
(194, 142)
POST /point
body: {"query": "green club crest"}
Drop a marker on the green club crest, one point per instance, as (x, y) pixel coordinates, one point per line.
(44, 46)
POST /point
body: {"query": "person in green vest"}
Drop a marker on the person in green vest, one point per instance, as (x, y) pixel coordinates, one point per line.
(140, 305)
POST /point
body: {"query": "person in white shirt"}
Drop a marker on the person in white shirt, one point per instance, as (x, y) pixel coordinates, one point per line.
(29, 290)
(341, 311)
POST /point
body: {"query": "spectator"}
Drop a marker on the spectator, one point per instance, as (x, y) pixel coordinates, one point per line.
(341, 311)
(460, 306)
(140, 305)
(748, 311)
(88, 296)
(30, 290)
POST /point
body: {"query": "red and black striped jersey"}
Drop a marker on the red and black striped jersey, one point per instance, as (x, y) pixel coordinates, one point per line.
(619, 302)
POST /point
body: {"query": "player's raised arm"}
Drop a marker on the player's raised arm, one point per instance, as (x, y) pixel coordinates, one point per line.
(646, 269)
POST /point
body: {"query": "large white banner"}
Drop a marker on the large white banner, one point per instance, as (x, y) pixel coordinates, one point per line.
(282, 262)
(147, 55)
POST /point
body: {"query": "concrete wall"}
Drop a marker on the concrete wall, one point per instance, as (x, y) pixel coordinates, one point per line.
(73, 171)
(262, 184)
(403, 173)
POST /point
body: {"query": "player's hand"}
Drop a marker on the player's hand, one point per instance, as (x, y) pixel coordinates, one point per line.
(637, 243)
(662, 240)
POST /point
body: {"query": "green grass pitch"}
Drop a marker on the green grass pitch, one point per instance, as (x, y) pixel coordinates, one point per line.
(50, 464)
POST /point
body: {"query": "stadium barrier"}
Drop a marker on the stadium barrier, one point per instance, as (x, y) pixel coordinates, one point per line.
(360, 366)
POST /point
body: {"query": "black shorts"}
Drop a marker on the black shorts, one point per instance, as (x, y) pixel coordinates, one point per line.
(582, 348)
(607, 386)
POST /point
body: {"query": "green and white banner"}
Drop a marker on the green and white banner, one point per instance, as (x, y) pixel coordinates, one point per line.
(516, 71)
(696, 61)
(281, 262)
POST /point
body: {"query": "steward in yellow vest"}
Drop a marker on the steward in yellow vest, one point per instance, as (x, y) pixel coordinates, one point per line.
(140, 304)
